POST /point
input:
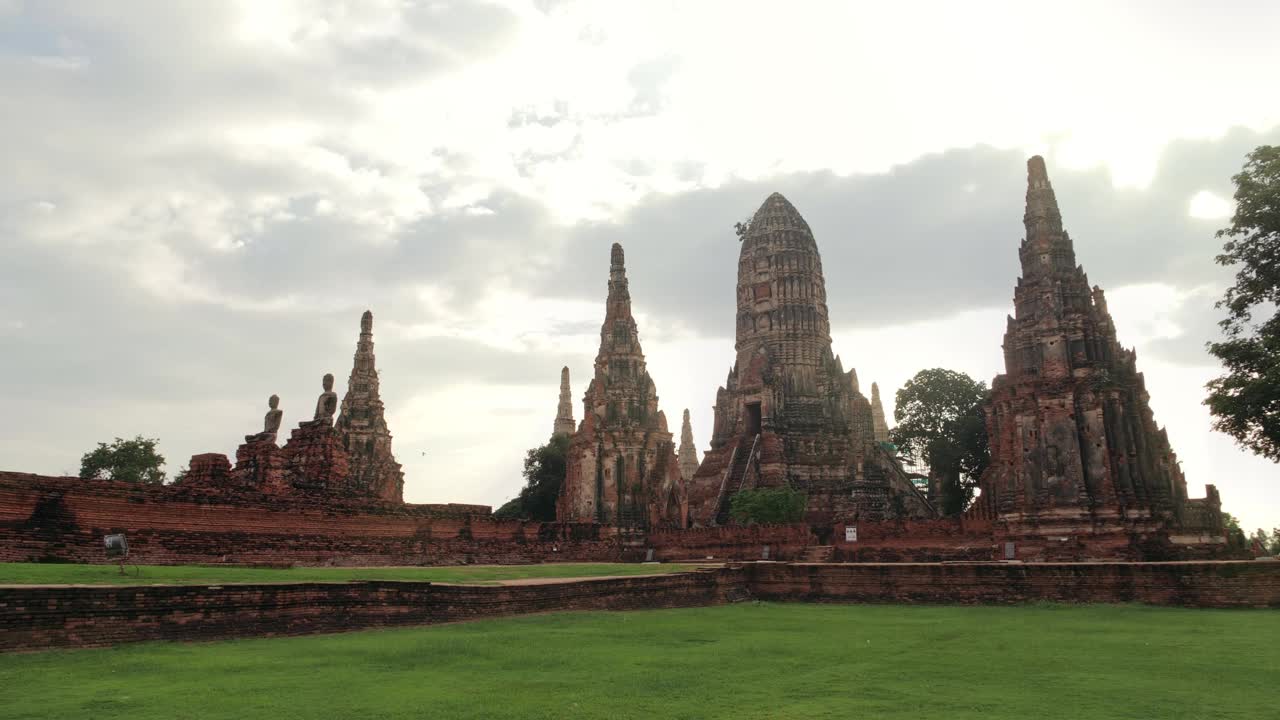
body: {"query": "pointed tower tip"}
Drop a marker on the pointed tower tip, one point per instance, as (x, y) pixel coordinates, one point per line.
(366, 322)
(777, 212)
(776, 201)
(616, 257)
(1037, 173)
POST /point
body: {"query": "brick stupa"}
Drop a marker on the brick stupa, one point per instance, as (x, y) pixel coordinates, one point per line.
(1074, 445)
(362, 426)
(788, 414)
(621, 466)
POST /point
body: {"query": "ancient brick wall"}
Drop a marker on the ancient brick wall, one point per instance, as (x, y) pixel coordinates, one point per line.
(733, 542)
(83, 616)
(1196, 584)
(64, 519)
(948, 539)
(39, 617)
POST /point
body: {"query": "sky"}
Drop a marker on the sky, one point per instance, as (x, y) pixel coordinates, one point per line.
(200, 199)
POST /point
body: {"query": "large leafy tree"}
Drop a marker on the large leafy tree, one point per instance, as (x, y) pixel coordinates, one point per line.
(544, 470)
(133, 461)
(1245, 402)
(940, 421)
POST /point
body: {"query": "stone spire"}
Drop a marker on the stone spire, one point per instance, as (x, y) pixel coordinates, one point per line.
(688, 451)
(621, 467)
(1047, 248)
(879, 428)
(1070, 428)
(363, 427)
(564, 413)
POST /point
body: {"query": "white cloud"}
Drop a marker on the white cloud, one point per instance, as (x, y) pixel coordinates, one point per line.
(1207, 205)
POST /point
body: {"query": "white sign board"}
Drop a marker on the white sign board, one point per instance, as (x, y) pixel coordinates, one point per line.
(851, 533)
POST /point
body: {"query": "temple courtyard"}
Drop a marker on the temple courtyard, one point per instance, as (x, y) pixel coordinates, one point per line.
(746, 660)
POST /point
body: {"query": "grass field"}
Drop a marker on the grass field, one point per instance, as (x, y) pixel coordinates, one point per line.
(62, 574)
(741, 661)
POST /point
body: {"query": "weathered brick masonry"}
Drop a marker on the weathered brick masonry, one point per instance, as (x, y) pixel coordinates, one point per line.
(64, 519)
(731, 542)
(1194, 584)
(85, 616)
(36, 617)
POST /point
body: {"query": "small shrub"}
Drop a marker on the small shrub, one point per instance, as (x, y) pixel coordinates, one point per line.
(767, 506)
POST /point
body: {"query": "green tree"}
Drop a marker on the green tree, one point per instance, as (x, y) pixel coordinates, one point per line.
(1245, 402)
(1262, 538)
(544, 470)
(940, 421)
(1235, 534)
(133, 461)
(767, 506)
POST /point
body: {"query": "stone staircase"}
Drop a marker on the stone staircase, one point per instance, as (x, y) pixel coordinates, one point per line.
(818, 554)
(733, 480)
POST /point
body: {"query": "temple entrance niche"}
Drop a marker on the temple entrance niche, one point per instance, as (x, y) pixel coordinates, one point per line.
(753, 419)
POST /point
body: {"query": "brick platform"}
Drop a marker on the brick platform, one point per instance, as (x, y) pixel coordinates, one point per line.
(38, 617)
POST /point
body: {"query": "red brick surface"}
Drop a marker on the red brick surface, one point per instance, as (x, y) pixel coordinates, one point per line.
(82, 616)
(1197, 584)
(64, 519)
(85, 616)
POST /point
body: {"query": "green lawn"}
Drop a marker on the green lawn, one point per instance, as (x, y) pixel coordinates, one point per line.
(60, 574)
(741, 661)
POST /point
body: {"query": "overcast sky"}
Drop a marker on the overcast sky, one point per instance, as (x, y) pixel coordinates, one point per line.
(200, 198)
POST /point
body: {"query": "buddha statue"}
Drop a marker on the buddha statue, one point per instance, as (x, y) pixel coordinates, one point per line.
(270, 422)
(327, 403)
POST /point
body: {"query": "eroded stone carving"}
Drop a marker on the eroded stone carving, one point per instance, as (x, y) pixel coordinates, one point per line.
(327, 403)
(270, 422)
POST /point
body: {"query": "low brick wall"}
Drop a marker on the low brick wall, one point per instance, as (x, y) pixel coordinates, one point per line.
(945, 540)
(785, 542)
(1195, 584)
(40, 617)
(46, 519)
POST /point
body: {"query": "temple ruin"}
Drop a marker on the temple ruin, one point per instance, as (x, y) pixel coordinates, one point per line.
(348, 460)
(363, 427)
(621, 466)
(1079, 468)
(315, 459)
(788, 414)
(1075, 448)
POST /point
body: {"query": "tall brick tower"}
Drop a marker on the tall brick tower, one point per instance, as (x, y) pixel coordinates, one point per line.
(1073, 439)
(879, 428)
(363, 428)
(788, 413)
(621, 467)
(688, 452)
(564, 424)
